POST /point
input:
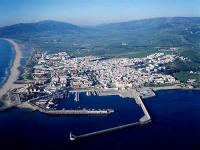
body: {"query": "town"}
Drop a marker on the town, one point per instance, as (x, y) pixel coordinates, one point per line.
(55, 74)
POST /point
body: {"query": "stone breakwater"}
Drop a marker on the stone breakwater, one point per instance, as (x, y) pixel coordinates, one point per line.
(73, 111)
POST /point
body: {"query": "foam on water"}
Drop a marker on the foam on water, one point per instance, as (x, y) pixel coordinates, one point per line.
(6, 59)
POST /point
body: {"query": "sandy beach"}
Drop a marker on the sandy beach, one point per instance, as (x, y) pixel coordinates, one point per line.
(14, 71)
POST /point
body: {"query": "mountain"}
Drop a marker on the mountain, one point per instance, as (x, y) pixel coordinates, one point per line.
(114, 38)
(38, 27)
(154, 23)
(167, 31)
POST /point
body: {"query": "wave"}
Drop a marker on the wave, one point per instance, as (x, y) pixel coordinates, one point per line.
(6, 73)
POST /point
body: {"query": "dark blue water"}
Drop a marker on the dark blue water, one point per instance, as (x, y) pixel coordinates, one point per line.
(7, 54)
(122, 108)
(32, 129)
(175, 121)
(6, 58)
(175, 125)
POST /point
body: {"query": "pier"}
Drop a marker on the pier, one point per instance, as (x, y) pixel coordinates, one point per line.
(73, 137)
(144, 120)
(76, 98)
(138, 100)
(77, 112)
(73, 111)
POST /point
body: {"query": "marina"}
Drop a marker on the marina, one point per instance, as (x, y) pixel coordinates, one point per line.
(47, 105)
(144, 120)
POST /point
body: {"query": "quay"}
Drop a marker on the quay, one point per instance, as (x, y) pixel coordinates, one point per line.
(78, 112)
(144, 120)
(138, 100)
(73, 111)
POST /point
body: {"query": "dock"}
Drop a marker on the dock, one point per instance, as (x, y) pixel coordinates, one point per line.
(77, 112)
(73, 111)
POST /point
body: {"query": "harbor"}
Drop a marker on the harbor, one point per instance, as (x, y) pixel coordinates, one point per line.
(73, 112)
(163, 108)
(143, 120)
(47, 105)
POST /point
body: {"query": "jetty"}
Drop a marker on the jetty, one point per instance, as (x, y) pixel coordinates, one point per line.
(73, 137)
(77, 112)
(72, 111)
(138, 100)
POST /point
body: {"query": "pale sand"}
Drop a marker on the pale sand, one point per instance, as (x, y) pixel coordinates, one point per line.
(14, 72)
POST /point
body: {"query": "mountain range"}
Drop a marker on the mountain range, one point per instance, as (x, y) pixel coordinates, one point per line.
(112, 39)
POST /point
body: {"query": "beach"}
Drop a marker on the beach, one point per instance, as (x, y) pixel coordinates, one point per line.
(14, 71)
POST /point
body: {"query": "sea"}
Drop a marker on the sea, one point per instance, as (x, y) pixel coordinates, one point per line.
(175, 123)
(7, 54)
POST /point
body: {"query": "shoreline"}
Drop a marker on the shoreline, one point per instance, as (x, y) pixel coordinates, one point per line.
(8, 69)
(173, 87)
(14, 71)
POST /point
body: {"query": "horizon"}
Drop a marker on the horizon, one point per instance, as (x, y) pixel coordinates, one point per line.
(91, 13)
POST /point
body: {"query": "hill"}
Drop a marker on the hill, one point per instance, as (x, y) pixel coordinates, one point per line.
(162, 31)
(123, 38)
(38, 27)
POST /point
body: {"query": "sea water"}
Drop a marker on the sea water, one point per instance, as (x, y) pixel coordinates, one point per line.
(6, 58)
(175, 125)
(175, 121)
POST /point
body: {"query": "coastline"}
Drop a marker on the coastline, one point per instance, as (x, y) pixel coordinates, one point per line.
(14, 71)
(173, 87)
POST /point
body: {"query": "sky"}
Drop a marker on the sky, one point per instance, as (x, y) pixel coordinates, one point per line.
(93, 12)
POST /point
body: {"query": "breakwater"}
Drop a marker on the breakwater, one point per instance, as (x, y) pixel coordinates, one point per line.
(73, 137)
(73, 111)
(144, 120)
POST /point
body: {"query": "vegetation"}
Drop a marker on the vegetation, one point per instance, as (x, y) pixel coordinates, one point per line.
(185, 77)
(119, 39)
(29, 68)
(127, 39)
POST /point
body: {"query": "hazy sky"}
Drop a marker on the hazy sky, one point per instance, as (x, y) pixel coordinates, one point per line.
(91, 12)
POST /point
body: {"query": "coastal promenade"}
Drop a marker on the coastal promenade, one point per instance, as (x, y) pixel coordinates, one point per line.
(174, 87)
